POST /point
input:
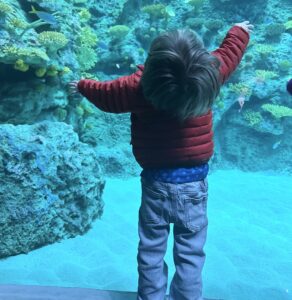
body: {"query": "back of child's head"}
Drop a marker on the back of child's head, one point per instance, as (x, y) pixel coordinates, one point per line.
(180, 76)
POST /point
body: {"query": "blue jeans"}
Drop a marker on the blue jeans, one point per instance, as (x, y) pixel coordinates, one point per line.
(184, 205)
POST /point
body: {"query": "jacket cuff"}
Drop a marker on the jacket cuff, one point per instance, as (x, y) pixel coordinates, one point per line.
(80, 85)
(240, 32)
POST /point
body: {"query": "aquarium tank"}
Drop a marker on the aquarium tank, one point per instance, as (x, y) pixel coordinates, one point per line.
(70, 187)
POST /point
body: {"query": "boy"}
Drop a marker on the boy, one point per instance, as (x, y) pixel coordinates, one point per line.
(170, 100)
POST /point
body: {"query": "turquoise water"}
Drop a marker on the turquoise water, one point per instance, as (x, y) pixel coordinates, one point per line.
(248, 250)
(51, 172)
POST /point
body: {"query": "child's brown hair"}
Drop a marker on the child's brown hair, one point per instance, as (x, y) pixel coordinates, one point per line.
(180, 76)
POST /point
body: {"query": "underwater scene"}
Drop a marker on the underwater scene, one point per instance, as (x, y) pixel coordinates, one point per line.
(71, 157)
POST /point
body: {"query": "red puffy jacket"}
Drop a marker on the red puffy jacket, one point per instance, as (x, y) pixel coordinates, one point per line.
(159, 140)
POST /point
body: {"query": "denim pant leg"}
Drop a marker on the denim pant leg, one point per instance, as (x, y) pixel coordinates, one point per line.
(185, 205)
(153, 231)
(189, 240)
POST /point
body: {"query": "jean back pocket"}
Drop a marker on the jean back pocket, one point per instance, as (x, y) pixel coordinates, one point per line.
(195, 197)
(151, 204)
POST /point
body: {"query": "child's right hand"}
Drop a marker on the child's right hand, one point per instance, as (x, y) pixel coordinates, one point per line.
(246, 26)
(73, 89)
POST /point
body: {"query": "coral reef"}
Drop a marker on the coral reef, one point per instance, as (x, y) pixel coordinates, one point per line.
(45, 44)
(50, 201)
(52, 40)
(278, 111)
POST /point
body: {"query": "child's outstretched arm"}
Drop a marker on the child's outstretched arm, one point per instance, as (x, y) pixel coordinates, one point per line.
(232, 48)
(115, 96)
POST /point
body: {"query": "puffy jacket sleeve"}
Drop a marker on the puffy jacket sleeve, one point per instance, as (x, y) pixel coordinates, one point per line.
(231, 51)
(116, 96)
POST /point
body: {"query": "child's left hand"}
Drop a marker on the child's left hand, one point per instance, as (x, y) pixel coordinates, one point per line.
(73, 89)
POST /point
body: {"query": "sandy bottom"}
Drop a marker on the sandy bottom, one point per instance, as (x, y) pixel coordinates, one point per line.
(248, 250)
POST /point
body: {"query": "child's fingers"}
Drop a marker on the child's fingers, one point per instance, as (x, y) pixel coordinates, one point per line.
(73, 82)
(73, 91)
(248, 27)
(73, 88)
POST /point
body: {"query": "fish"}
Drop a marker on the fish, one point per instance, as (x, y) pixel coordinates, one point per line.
(47, 17)
(33, 43)
(169, 10)
(241, 100)
(138, 4)
(268, 20)
(276, 145)
(289, 86)
(102, 45)
(118, 66)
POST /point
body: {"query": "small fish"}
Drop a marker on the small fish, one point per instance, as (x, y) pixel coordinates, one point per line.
(268, 20)
(276, 145)
(169, 10)
(47, 17)
(118, 66)
(289, 86)
(102, 45)
(241, 101)
(33, 41)
(138, 4)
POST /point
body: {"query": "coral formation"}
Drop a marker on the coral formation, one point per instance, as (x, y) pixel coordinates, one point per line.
(253, 118)
(118, 32)
(264, 49)
(45, 47)
(155, 11)
(278, 111)
(240, 89)
(40, 72)
(275, 29)
(52, 40)
(288, 25)
(21, 65)
(5, 8)
(30, 55)
(87, 37)
(264, 75)
(86, 57)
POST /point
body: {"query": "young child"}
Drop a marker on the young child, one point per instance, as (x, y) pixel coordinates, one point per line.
(170, 100)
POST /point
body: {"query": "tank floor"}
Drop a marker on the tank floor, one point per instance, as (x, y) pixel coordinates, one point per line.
(29, 292)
